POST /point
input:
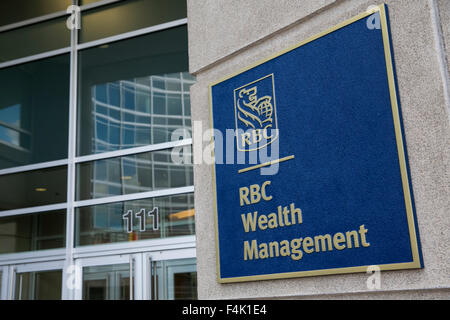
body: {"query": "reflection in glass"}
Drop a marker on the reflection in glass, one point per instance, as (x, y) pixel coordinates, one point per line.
(111, 282)
(127, 16)
(33, 188)
(37, 231)
(34, 110)
(175, 280)
(41, 285)
(131, 174)
(134, 92)
(106, 223)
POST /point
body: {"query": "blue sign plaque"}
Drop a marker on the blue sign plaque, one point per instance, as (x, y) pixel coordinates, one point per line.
(318, 180)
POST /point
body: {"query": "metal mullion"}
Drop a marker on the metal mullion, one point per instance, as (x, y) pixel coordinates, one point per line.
(29, 22)
(135, 196)
(71, 166)
(53, 15)
(159, 245)
(130, 34)
(30, 167)
(17, 258)
(37, 209)
(97, 4)
(4, 280)
(35, 57)
(132, 151)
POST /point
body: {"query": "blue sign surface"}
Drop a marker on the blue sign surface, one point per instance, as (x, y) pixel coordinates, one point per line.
(318, 179)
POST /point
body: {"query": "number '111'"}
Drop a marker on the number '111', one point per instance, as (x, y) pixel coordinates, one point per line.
(128, 217)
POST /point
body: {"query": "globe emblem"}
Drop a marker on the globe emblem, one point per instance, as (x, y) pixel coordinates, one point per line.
(265, 108)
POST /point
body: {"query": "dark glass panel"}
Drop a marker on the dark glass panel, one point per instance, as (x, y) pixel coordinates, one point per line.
(40, 285)
(12, 11)
(34, 112)
(128, 16)
(30, 232)
(33, 188)
(33, 39)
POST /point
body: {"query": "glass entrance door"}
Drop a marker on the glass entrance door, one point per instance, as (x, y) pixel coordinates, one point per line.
(3, 282)
(110, 279)
(162, 275)
(174, 279)
(32, 281)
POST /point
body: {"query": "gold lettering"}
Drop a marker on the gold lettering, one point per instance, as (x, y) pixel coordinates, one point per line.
(322, 239)
(362, 232)
(249, 253)
(353, 234)
(307, 243)
(243, 196)
(250, 221)
(262, 222)
(339, 238)
(263, 191)
(255, 196)
(273, 221)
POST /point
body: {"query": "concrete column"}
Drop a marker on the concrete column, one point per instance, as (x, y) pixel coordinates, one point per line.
(228, 35)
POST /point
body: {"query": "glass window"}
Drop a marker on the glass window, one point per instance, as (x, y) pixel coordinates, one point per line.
(131, 174)
(33, 188)
(30, 232)
(41, 285)
(175, 280)
(123, 103)
(34, 100)
(128, 16)
(85, 2)
(33, 39)
(12, 11)
(111, 282)
(135, 220)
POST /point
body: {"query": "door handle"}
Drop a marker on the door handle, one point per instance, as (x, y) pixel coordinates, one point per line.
(11, 284)
(154, 280)
(131, 279)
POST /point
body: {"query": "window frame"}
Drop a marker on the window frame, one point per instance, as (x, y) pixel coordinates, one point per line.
(69, 254)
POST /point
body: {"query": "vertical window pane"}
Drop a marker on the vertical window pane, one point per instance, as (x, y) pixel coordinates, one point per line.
(176, 280)
(130, 90)
(108, 223)
(110, 282)
(34, 112)
(41, 285)
(38, 231)
(33, 188)
(128, 16)
(33, 39)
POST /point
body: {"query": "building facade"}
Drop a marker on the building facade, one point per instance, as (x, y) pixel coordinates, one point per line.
(107, 184)
(93, 204)
(231, 40)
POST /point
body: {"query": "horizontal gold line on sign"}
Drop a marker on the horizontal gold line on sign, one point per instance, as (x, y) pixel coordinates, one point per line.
(265, 164)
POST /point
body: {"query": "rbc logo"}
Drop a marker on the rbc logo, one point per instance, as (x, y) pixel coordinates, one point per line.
(255, 113)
